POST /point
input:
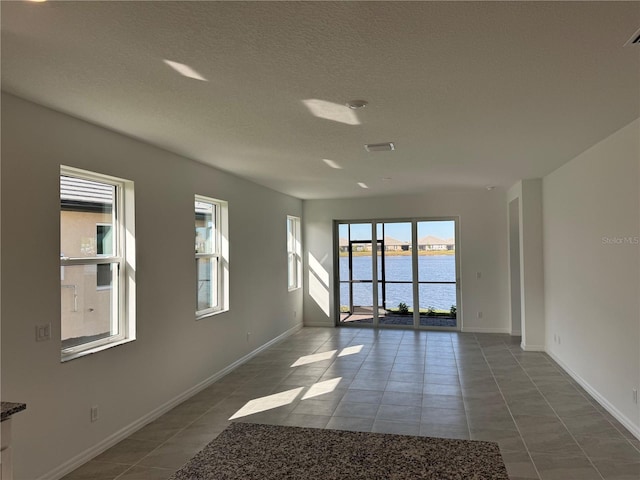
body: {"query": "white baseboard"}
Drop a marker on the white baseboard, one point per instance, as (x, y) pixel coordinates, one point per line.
(484, 330)
(75, 462)
(617, 414)
(532, 348)
(516, 333)
(319, 324)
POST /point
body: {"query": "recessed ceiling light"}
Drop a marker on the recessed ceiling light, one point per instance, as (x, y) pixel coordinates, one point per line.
(185, 70)
(332, 164)
(356, 104)
(491, 187)
(379, 147)
(362, 185)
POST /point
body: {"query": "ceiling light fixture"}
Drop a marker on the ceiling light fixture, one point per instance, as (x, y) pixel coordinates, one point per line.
(491, 187)
(356, 104)
(332, 164)
(185, 70)
(362, 185)
(379, 147)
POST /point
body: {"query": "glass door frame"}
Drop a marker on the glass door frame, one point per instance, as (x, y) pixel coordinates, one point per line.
(374, 241)
(374, 275)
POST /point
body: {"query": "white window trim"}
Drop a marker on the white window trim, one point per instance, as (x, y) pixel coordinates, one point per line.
(124, 256)
(222, 254)
(294, 254)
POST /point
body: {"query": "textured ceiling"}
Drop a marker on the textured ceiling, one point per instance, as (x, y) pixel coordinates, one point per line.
(472, 93)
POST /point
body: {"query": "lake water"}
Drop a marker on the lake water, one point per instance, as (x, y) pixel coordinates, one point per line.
(431, 268)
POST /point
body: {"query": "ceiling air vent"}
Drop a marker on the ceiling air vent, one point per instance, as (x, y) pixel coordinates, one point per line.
(379, 147)
(634, 40)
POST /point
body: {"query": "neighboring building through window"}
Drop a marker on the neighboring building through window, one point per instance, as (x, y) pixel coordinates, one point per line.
(211, 250)
(97, 262)
(294, 253)
(104, 246)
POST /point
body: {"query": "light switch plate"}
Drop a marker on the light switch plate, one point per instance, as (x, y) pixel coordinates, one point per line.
(43, 332)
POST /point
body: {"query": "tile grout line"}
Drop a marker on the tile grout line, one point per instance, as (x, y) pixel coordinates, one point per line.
(464, 407)
(184, 428)
(556, 414)
(335, 341)
(587, 397)
(535, 467)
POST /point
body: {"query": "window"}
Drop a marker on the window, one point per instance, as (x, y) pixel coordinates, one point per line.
(97, 262)
(212, 263)
(294, 253)
(104, 246)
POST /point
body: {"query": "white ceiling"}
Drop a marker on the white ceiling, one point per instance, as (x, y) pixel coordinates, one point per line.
(472, 93)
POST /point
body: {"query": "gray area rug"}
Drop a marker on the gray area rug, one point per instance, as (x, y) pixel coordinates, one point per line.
(251, 451)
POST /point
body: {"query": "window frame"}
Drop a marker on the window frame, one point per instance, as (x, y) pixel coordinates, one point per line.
(294, 253)
(123, 256)
(220, 252)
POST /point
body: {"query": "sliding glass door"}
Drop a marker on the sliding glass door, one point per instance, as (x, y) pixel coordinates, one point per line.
(387, 268)
(437, 286)
(396, 283)
(357, 275)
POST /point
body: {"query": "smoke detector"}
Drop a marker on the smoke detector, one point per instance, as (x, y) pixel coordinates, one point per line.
(357, 104)
(379, 147)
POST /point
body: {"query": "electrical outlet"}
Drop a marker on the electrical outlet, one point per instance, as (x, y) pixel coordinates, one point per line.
(94, 413)
(295, 314)
(559, 340)
(635, 395)
(43, 332)
(248, 336)
(479, 314)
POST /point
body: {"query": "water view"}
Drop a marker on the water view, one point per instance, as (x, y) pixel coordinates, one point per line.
(431, 268)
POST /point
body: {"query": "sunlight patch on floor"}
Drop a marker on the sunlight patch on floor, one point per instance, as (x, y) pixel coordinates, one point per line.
(316, 357)
(322, 388)
(269, 402)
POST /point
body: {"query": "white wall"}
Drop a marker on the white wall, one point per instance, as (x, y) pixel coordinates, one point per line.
(531, 266)
(592, 281)
(483, 248)
(172, 352)
(529, 195)
(514, 267)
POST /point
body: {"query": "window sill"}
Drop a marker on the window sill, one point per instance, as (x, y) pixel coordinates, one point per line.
(65, 357)
(210, 314)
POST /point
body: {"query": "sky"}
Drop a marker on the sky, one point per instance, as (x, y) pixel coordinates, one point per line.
(402, 230)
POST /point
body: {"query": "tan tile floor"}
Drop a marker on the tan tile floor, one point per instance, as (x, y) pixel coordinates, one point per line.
(441, 384)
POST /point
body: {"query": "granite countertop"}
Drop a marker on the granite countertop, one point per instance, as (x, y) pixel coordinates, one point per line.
(10, 408)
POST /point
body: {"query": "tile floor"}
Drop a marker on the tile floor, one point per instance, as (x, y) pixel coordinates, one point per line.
(441, 384)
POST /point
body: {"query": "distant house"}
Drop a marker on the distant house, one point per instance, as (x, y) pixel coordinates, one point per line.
(390, 245)
(394, 245)
(430, 243)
